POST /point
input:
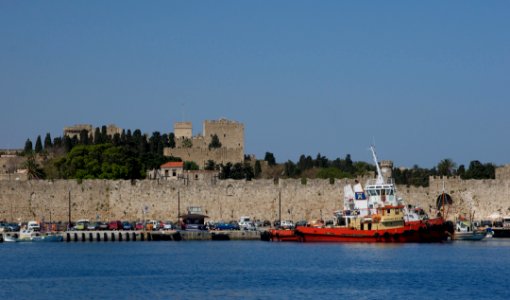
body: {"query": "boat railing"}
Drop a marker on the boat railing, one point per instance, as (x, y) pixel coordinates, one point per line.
(375, 182)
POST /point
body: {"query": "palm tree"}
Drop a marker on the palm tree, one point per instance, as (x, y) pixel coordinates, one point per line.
(33, 171)
(446, 167)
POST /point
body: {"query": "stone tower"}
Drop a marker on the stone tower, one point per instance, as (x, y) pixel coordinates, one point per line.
(230, 133)
(183, 130)
(386, 168)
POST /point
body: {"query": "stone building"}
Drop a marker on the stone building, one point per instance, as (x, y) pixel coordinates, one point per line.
(75, 130)
(172, 169)
(196, 148)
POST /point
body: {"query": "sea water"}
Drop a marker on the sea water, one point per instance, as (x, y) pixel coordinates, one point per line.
(255, 270)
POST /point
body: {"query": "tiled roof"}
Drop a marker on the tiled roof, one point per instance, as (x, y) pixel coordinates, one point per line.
(173, 164)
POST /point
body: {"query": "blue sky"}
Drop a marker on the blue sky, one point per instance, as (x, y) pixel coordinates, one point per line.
(424, 81)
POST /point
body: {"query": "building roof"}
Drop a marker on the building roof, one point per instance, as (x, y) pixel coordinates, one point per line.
(173, 164)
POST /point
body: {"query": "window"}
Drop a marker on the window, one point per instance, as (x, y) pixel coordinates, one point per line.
(174, 173)
(166, 173)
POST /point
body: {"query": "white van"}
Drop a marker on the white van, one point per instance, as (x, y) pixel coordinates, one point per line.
(245, 223)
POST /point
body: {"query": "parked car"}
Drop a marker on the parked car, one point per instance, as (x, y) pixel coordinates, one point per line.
(168, 225)
(127, 226)
(139, 226)
(153, 225)
(226, 226)
(93, 226)
(81, 224)
(103, 226)
(115, 225)
(287, 224)
(245, 223)
(301, 223)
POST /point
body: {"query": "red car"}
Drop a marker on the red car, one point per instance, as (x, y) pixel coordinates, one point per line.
(115, 225)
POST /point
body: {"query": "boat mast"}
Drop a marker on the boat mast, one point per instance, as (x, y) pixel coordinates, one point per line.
(380, 179)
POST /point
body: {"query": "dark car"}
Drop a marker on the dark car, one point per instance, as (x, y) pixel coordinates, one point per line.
(226, 226)
(127, 226)
(195, 227)
(103, 226)
(115, 225)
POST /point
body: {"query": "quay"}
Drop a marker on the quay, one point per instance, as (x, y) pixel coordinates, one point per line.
(147, 236)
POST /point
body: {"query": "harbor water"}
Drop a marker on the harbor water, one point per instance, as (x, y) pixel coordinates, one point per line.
(255, 270)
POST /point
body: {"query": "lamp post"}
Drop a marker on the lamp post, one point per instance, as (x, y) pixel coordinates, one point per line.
(69, 212)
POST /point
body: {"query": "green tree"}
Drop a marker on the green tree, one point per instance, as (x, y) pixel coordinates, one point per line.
(332, 172)
(47, 141)
(33, 170)
(269, 157)
(210, 165)
(57, 142)
(97, 136)
(290, 169)
(215, 142)
(461, 171)
(171, 140)
(68, 144)
(446, 167)
(190, 165)
(84, 137)
(28, 147)
(187, 143)
(38, 145)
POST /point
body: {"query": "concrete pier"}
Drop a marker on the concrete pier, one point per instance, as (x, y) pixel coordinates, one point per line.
(171, 235)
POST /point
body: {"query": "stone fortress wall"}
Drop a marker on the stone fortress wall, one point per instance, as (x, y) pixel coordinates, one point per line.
(226, 199)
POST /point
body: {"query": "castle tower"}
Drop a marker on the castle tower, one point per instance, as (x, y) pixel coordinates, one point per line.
(386, 168)
(183, 130)
(230, 133)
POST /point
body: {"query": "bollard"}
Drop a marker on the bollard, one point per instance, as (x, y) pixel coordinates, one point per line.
(68, 237)
(149, 236)
(134, 236)
(113, 237)
(75, 237)
(120, 236)
(91, 238)
(98, 237)
(83, 237)
(127, 237)
(142, 237)
(105, 237)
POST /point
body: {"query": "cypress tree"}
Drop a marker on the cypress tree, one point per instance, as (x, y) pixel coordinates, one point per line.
(38, 145)
(97, 136)
(28, 146)
(47, 141)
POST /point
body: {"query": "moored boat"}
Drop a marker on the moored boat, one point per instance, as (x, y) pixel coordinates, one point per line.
(29, 235)
(465, 231)
(375, 214)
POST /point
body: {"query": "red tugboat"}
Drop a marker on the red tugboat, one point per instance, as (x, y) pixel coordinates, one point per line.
(376, 215)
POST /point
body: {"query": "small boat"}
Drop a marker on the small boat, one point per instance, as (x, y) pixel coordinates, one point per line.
(30, 235)
(10, 238)
(465, 231)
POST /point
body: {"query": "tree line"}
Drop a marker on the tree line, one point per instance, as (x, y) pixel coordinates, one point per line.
(130, 154)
